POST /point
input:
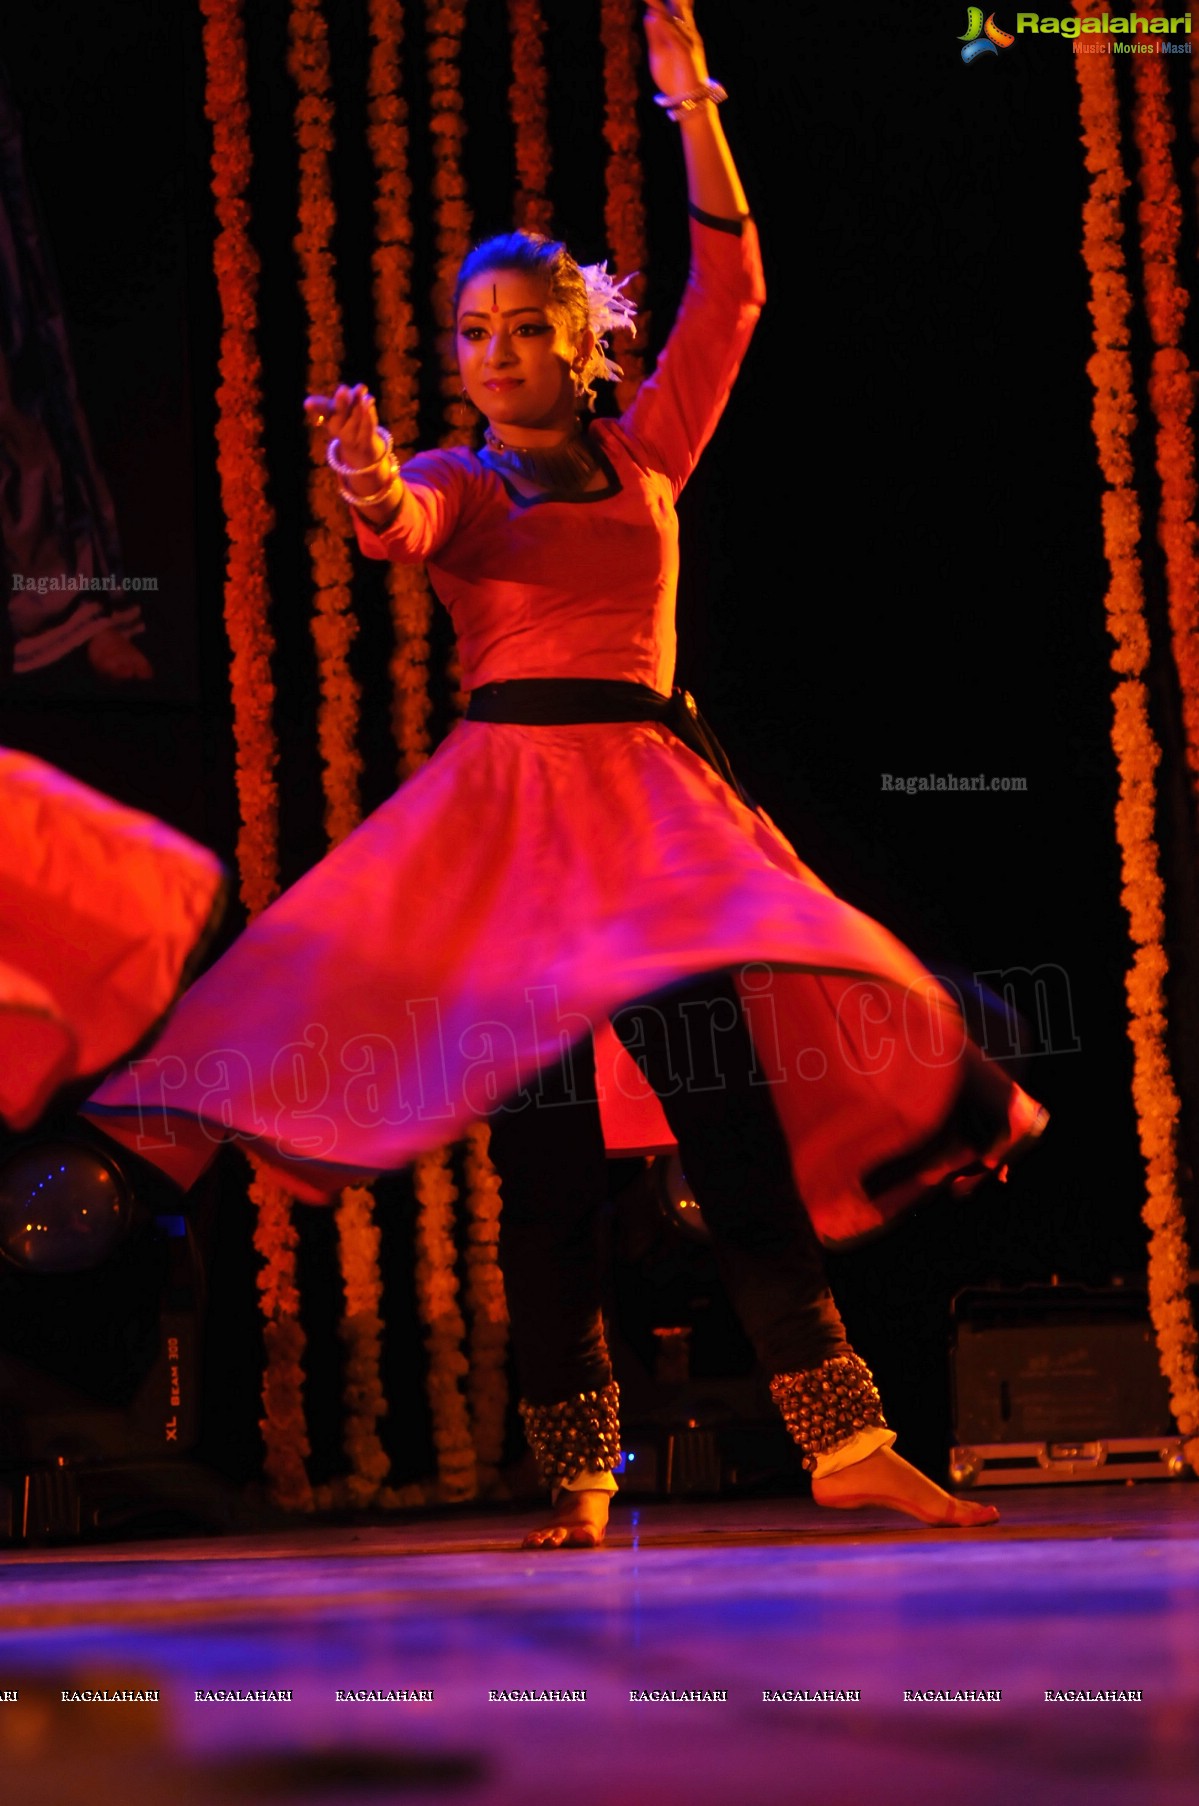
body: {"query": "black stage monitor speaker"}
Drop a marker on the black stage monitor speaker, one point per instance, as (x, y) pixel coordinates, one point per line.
(1058, 1383)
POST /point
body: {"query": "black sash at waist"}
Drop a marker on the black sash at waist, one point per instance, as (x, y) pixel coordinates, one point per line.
(567, 701)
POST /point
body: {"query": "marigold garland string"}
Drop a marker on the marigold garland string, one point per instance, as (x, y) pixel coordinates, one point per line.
(451, 210)
(436, 1193)
(624, 211)
(452, 225)
(241, 462)
(1137, 753)
(361, 1331)
(487, 1385)
(1171, 382)
(396, 342)
(328, 540)
(241, 466)
(284, 1428)
(1194, 113)
(479, 1430)
(437, 1295)
(527, 103)
(333, 629)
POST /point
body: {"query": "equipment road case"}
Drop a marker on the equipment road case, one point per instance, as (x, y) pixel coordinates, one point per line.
(1057, 1384)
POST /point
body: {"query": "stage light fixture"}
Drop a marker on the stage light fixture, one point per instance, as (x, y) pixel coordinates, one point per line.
(101, 1313)
(64, 1208)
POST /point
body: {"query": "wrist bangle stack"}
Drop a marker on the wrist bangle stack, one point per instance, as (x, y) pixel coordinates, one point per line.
(345, 471)
(386, 463)
(677, 106)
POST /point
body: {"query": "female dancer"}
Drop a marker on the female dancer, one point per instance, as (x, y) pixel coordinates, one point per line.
(570, 857)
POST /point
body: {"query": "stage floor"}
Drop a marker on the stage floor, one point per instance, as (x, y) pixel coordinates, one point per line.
(1083, 1588)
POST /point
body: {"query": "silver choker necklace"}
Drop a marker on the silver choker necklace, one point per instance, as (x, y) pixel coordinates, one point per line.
(568, 467)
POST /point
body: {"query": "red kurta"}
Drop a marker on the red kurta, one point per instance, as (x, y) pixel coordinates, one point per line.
(527, 881)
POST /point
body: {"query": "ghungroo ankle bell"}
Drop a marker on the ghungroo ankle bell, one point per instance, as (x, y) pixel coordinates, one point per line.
(825, 1406)
(576, 1435)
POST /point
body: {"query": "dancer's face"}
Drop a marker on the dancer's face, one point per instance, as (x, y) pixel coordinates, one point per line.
(515, 353)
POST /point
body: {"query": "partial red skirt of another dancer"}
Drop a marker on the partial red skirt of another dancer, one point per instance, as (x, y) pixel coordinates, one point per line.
(102, 912)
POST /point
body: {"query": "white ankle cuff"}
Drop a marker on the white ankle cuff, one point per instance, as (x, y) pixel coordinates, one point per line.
(588, 1482)
(856, 1449)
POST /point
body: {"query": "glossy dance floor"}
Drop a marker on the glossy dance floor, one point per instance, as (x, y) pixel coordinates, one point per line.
(1084, 1588)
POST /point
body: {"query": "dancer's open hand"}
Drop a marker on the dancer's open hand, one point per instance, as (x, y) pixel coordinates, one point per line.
(674, 46)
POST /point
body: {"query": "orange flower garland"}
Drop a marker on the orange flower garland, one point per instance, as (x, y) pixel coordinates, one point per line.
(452, 218)
(482, 1428)
(361, 1331)
(437, 1283)
(1194, 112)
(240, 459)
(284, 1428)
(328, 542)
(527, 102)
(487, 1386)
(1171, 384)
(1137, 753)
(240, 465)
(396, 338)
(333, 629)
(437, 1294)
(624, 212)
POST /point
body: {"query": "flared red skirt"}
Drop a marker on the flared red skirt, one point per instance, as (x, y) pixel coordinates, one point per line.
(509, 899)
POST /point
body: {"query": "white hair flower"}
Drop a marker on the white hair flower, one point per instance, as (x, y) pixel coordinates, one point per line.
(608, 309)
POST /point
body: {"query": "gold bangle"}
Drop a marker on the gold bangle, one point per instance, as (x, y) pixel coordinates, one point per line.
(676, 106)
(371, 501)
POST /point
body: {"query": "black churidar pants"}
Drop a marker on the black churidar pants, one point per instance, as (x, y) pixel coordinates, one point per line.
(694, 1047)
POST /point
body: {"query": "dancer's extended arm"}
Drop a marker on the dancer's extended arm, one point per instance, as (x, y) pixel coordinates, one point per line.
(679, 67)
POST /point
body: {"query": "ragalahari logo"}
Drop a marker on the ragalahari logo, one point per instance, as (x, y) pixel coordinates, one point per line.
(982, 37)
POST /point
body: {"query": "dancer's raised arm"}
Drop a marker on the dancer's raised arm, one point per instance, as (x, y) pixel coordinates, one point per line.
(679, 68)
(675, 411)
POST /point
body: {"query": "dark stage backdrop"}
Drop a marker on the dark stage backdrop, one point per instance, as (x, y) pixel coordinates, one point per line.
(892, 554)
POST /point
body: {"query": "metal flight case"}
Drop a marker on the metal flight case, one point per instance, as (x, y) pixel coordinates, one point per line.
(1058, 1384)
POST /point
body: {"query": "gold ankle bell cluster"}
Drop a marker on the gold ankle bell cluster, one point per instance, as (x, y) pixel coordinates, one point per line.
(824, 1406)
(576, 1435)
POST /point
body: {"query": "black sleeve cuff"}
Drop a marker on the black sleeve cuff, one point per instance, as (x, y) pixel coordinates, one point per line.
(735, 226)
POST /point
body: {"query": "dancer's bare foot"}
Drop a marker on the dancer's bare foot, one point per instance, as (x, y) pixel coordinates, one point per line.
(885, 1478)
(579, 1521)
(113, 655)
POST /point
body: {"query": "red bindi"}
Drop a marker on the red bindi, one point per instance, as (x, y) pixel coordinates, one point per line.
(495, 306)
